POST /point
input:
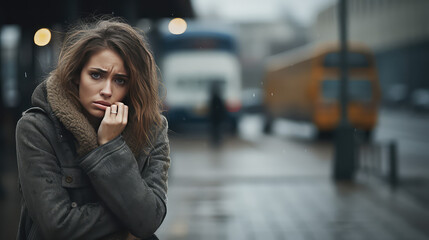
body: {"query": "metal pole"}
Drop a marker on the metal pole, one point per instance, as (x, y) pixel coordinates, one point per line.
(343, 58)
(393, 164)
(344, 162)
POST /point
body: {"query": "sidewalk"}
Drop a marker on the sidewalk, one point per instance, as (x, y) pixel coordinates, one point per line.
(281, 192)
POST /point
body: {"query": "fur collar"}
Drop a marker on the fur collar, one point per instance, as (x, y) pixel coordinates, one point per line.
(74, 120)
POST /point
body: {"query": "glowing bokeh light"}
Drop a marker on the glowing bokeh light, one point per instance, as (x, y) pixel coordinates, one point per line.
(42, 37)
(177, 26)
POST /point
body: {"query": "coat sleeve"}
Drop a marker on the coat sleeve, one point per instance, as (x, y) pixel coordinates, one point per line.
(48, 203)
(137, 198)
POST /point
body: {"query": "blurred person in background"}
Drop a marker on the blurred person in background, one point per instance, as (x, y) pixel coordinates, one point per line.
(217, 114)
(93, 152)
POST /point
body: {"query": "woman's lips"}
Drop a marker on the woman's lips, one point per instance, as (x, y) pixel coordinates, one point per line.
(101, 105)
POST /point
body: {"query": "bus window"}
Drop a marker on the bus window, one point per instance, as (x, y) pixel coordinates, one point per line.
(355, 60)
(359, 90)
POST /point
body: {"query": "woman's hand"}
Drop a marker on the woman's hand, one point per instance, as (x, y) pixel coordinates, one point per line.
(114, 122)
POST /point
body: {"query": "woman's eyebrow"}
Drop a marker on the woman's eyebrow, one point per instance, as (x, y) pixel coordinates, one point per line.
(121, 75)
(105, 71)
(99, 69)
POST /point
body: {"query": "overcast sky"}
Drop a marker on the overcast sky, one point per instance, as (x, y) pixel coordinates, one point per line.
(260, 10)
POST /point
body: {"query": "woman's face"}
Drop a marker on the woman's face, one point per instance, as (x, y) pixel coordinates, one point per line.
(103, 82)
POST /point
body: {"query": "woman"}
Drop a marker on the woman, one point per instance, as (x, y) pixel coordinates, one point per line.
(93, 154)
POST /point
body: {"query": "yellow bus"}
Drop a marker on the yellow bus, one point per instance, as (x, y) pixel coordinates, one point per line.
(303, 84)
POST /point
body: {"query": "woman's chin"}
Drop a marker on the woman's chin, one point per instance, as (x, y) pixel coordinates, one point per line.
(94, 114)
(97, 114)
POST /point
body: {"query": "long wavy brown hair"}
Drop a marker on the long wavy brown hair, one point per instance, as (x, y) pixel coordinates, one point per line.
(86, 39)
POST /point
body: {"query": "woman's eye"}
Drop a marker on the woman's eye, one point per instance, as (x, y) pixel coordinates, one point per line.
(120, 81)
(95, 75)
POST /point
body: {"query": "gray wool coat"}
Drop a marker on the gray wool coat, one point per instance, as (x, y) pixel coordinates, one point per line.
(104, 194)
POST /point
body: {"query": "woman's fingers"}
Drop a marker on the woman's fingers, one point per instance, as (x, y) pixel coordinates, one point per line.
(114, 122)
(125, 116)
(120, 111)
(114, 110)
(107, 112)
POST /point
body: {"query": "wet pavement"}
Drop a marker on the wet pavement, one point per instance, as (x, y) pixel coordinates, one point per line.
(281, 197)
(280, 187)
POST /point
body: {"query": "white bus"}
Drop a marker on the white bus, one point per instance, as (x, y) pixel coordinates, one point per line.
(192, 62)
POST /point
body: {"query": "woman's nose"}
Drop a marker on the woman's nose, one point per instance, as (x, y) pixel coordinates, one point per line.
(106, 91)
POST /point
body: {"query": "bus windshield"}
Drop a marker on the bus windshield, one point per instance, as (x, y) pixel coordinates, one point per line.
(199, 41)
(358, 90)
(354, 60)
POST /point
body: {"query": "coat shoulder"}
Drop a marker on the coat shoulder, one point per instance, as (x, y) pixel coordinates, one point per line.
(34, 121)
